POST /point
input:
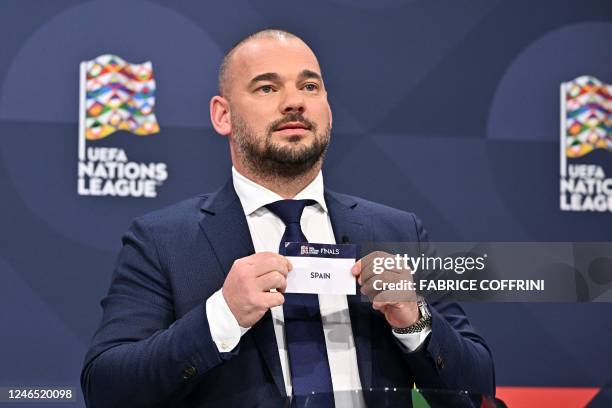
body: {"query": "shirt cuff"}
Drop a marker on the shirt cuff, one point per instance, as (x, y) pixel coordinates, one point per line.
(412, 341)
(224, 328)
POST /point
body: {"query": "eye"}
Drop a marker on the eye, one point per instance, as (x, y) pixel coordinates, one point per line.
(311, 87)
(265, 89)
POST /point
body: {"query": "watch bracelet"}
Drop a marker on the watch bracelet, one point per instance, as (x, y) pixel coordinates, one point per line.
(419, 325)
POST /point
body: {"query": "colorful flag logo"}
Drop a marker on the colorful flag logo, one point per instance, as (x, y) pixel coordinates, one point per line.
(117, 95)
(587, 118)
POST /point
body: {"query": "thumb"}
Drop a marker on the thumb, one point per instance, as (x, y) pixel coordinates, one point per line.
(356, 269)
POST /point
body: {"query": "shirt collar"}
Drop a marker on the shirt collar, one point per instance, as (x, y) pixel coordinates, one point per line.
(254, 196)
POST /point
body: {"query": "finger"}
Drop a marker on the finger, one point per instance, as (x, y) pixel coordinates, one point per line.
(388, 276)
(271, 280)
(368, 290)
(368, 260)
(368, 279)
(356, 269)
(397, 298)
(272, 299)
(271, 262)
(368, 268)
(283, 287)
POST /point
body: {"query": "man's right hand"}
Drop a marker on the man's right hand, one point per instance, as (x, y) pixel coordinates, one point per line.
(246, 289)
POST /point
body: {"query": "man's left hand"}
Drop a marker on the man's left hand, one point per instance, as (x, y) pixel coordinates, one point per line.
(399, 306)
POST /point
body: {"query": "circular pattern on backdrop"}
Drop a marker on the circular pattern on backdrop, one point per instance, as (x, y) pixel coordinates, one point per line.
(526, 103)
(39, 114)
(523, 130)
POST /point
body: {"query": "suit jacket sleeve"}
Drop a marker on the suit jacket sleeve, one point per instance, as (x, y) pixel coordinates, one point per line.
(140, 353)
(454, 356)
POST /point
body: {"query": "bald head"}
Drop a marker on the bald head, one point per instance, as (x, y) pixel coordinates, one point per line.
(225, 70)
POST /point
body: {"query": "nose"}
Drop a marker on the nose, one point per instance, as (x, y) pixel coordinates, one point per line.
(292, 102)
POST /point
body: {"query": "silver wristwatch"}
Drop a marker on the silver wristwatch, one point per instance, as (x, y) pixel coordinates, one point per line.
(419, 325)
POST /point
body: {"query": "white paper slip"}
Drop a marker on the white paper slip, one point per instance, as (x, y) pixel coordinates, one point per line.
(323, 269)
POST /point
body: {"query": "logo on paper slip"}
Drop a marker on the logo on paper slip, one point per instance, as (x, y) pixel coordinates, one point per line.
(116, 96)
(308, 250)
(586, 126)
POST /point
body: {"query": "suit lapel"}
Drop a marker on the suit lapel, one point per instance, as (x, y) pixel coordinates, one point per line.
(348, 225)
(226, 228)
(227, 231)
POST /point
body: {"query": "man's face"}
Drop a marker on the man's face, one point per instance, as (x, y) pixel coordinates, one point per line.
(280, 116)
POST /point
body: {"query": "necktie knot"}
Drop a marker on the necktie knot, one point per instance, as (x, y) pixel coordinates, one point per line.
(289, 211)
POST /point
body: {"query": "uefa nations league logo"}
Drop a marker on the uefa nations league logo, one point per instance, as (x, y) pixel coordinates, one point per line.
(586, 126)
(116, 96)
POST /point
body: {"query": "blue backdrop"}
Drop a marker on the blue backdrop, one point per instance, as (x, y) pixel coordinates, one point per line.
(449, 109)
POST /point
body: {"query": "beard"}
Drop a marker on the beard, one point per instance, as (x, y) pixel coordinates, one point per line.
(273, 160)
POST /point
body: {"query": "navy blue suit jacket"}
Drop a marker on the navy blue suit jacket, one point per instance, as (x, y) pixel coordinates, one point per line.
(154, 347)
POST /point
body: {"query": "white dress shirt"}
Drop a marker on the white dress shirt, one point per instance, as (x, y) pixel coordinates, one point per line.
(266, 232)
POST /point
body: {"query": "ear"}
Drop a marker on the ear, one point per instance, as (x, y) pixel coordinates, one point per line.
(331, 118)
(220, 115)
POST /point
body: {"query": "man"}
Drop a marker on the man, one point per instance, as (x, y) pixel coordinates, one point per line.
(196, 314)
